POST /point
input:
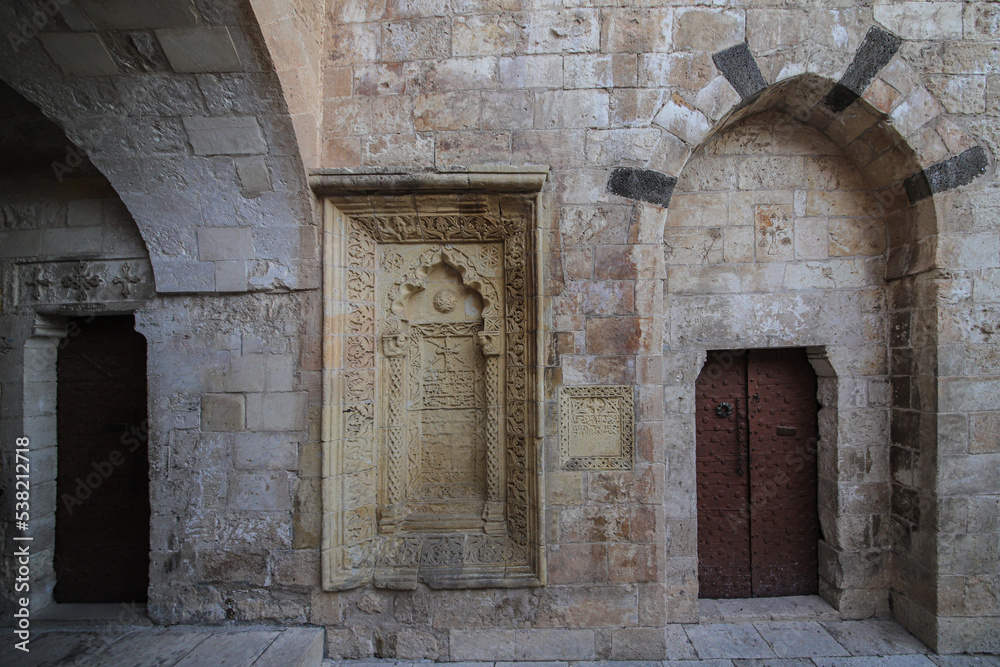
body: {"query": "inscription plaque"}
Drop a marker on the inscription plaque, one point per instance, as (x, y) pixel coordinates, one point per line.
(596, 427)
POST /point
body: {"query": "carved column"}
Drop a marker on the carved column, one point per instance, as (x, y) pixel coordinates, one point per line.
(491, 345)
(394, 348)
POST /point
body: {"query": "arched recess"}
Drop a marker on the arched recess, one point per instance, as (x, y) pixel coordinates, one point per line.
(791, 226)
(70, 252)
(178, 105)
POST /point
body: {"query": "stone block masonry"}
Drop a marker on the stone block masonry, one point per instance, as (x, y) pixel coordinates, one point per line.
(813, 175)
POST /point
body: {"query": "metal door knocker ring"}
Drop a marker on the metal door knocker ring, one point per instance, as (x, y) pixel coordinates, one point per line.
(724, 409)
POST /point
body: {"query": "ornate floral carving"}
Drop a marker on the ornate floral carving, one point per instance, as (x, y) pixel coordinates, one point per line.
(442, 550)
(126, 279)
(362, 318)
(360, 249)
(82, 281)
(360, 352)
(359, 386)
(360, 286)
(453, 367)
(445, 300)
(359, 420)
(41, 281)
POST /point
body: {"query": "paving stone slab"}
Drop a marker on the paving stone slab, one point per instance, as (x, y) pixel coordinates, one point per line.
(235, 649)
(52, 648)
(728, 640)
(774, 662)
(679, 647)
(798, 639)
(874, 637)
(965, 660)
(294, 647)
(698, 663)
(795, 608)
(913, 660)
(151, 649)
(616, 663)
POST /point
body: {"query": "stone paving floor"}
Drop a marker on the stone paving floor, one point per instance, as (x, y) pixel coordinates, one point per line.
(869, 643)
(177, 646)
(726, 637)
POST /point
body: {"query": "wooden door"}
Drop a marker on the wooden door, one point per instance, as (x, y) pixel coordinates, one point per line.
(758, 526)
(102, 511)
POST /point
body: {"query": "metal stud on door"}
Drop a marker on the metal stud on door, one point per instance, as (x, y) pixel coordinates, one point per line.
(756, 468)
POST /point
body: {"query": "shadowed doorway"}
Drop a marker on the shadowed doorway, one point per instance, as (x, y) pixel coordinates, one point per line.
(102, 513)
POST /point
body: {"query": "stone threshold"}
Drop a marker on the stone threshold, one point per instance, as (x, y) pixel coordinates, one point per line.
(65, 615)
(751, 610)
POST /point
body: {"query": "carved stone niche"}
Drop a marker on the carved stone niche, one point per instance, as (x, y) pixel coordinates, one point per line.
(431, 423)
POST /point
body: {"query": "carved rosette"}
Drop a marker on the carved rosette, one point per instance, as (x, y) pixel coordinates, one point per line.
(448, 423)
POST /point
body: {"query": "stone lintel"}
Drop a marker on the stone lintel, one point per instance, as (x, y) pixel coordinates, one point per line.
(329, 182)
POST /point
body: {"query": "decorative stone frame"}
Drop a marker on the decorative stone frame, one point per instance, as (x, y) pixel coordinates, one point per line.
(438, 219)
(612, 402)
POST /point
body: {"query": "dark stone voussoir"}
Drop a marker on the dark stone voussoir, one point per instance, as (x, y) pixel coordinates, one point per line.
(740, 68)
(948, 174)
(875, 52)
(645, 185)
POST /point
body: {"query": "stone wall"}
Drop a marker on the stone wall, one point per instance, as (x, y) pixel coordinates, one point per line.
(755, 175)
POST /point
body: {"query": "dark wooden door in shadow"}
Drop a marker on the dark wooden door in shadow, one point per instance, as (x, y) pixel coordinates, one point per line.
(758, 525)
(102, 512)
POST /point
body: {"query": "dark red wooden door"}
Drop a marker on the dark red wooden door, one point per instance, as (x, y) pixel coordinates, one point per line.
(102, 511)
(758, 526)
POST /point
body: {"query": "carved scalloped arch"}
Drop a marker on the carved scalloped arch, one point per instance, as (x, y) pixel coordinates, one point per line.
(468, 271)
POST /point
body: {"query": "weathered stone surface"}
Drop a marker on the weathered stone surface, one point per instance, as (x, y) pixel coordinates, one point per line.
(707, 30)
(222, 412)
(728, 641)
(875, 52)
(643, 184)
(224, 136)
(737, 64)
(952, 173)
(782, 231)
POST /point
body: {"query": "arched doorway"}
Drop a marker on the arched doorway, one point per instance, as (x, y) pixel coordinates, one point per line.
(778, 237)
(73, 261)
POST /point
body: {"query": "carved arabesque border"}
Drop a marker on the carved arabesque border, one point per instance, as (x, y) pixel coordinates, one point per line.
(354, 551)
